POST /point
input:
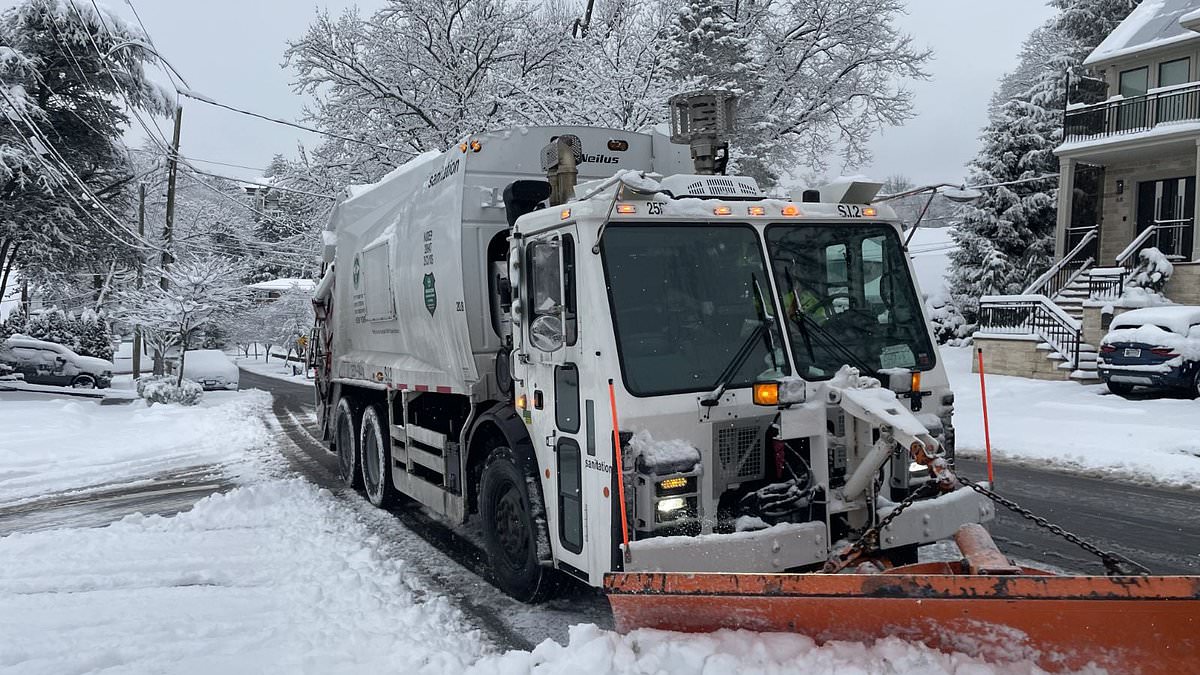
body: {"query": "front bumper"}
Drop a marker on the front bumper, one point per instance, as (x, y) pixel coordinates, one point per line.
(1150, 377)
(774, 549)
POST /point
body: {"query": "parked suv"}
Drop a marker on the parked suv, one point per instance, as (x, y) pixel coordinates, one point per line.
(1157, 347)
(42, 362)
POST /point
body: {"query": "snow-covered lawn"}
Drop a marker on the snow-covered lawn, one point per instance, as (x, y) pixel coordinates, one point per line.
(1073, 427)
(58, 444)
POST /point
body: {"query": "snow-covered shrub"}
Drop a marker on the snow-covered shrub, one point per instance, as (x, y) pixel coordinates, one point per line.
(166, 389)
(86, 334)
(1152, 273)
(949, 325)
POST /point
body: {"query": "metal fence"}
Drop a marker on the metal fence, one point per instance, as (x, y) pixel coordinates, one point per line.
(1130, 115)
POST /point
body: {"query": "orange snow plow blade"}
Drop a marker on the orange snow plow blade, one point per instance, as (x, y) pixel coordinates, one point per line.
(983, 606)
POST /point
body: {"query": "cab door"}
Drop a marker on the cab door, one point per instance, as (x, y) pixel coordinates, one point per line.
(550, 354)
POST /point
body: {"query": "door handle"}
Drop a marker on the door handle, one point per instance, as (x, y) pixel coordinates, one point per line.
(550, 439)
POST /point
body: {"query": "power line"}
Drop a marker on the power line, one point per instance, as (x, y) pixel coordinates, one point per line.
(205, 99)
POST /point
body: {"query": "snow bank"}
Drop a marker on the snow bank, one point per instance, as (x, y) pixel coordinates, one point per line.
(652, 652)
(59, 445)
(1065, 425)
(279, 577)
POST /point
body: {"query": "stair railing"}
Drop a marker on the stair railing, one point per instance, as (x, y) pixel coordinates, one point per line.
(1035, 315)
(1067, 269)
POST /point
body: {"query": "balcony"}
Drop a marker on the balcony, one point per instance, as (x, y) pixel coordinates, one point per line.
(1127, 116)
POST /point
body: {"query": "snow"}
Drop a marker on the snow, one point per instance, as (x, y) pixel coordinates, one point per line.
(191, 93)
(274, 577)
(356, 191)
(645, 651)
(667, 456)
(285, 285)
(277, 367)
(1072, 427)
(76, 444)
(1153, 24)
(202, 365)
(1178, 318)
(1163, 129)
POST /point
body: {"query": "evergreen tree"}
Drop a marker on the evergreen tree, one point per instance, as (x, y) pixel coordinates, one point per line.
(1006, 240)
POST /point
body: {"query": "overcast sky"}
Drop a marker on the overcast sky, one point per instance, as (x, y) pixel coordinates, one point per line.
(232, 51)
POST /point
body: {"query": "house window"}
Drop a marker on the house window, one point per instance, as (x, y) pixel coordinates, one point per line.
(1132, 114)
(1177, 104)
(1135, 82)
(1171, 73)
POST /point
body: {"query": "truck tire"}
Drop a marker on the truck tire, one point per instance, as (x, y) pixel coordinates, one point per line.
(375, 457)
(345, 442)
(510, 531)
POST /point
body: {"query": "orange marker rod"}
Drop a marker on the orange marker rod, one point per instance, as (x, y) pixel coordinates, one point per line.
(987, 436)
(619, 467)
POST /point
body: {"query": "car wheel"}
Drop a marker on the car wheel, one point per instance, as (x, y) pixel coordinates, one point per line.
(345, 442)
(375, 457)
(510, 531)
(1120, 388)
(84, 381)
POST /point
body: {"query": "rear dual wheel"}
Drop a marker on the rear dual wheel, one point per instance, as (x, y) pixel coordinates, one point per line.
(376, 457)
(346, 438)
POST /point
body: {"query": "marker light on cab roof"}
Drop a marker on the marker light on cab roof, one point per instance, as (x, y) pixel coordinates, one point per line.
(870, 212)
(566, 213)
(791, 210)
(723, 211)
(626, 208)
(757, 210)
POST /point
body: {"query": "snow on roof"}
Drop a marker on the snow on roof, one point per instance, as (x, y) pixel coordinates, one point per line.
(284, 284)
(1164, 129)
(1179, 318)
(1154, 23)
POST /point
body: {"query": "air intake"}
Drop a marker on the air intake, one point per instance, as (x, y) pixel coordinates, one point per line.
(712, 187)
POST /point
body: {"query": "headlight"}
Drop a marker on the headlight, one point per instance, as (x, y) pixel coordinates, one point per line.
(670, 505)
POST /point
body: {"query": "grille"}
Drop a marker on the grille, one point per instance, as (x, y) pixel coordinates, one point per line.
(740, 451)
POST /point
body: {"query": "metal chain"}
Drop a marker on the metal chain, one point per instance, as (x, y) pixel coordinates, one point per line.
(871, 537)
(1115, 564)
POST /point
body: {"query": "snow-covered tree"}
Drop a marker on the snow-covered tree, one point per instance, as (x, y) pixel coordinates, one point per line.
(65, 112)
(201, 291)
(288, 318)
(1006, 240)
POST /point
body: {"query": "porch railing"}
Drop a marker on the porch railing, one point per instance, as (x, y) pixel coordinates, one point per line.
(1106, 283)
(1157, 235)
(1035, 315)
(1067, 269)
(1134, 114)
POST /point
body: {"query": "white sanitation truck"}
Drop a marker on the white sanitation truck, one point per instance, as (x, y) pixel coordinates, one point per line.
(493, 318)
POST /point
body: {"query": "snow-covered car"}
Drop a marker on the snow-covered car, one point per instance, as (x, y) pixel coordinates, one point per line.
(41, 362)
(211, 368)
(1157, 347)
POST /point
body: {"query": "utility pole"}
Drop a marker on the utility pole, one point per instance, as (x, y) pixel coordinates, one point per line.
(168, 226)
(137, 330)
(172, 169)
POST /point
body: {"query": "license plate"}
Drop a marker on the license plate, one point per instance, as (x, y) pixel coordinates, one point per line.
(1133, 353)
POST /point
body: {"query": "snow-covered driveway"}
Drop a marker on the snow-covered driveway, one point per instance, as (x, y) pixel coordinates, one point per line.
(280, 576)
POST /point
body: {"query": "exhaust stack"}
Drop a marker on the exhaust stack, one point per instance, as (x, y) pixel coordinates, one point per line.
(560, 160)
(704, 120)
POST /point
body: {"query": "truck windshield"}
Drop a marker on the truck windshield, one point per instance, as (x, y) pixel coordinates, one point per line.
(848, 298)
(684, 303)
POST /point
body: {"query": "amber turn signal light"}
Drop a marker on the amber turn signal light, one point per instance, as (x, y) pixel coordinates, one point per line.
(766, 393)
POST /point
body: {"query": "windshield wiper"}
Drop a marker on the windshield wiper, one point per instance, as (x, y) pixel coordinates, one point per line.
(830, 342)
(762, 330)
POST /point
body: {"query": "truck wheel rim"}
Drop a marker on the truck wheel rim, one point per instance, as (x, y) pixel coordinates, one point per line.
(510, 529)
(345, 455)
(371, 459)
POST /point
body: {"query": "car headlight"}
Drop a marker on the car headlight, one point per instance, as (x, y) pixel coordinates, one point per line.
(671, 504)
